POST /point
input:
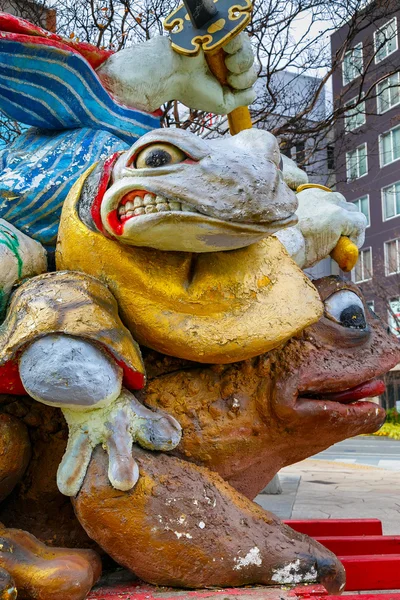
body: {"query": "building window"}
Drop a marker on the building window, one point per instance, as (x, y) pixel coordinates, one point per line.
(371, 305)
(392, 257)
(301, 154)
(389, 146)
(356, 162)
(388, 93)
(363, 206)
(352, 64)
(394, 315)
(354, 117)
(363, 269)
(391, 201)
(385, 40)
(286, 149)
(330, 155)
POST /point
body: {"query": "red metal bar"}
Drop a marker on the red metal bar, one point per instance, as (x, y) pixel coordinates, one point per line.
(337, 527)
(141, 591)
(362, 544)
(308, 591)
(394, 596)
(372, 572)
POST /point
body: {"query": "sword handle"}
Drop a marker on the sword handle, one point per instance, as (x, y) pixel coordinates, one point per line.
(239, 119)
(345, 254)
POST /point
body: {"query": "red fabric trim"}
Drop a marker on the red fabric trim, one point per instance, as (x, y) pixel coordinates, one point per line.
(10, 381)
(24, 31)
(103, 185)
(133, 380)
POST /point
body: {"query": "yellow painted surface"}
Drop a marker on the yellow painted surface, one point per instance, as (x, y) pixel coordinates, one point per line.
(345, 254)
(69, 303)
(214, 307)
(308, 186)
(217, 26)
(239, 120)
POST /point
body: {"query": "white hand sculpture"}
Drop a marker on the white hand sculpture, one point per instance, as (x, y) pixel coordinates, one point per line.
(20, 257)
(323, 218)
(149, 74)
(85, 382)
(116, 426)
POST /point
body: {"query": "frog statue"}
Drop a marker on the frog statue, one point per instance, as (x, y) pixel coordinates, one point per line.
(176, 356)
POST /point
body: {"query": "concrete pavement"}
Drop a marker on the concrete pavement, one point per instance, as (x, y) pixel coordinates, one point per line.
(320, 489)
(368, 450)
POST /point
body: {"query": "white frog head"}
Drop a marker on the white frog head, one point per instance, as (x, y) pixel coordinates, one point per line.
(176, 191)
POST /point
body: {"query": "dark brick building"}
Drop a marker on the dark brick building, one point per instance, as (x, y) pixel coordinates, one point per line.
(367, 153)
(367, 150)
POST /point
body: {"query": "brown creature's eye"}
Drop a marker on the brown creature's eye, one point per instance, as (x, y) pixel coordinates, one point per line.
(346, 308)
(159, 155)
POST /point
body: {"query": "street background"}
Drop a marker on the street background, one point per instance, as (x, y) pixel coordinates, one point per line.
(355, 479)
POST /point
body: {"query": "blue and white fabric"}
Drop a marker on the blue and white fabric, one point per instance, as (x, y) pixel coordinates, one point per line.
(76, 123)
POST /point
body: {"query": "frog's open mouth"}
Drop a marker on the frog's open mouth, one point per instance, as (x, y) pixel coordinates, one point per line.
(146, 218)
(141, 202)
(351, 404)
(368, 389)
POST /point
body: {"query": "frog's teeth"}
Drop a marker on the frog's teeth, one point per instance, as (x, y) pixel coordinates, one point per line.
(149, 199)
(151, 204)
(188, 208)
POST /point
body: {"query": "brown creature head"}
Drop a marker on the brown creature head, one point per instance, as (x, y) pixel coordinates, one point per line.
(249, 419)
(323, 379)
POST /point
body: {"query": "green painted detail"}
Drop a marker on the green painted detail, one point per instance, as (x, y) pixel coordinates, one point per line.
(9, 238)
(3, 302)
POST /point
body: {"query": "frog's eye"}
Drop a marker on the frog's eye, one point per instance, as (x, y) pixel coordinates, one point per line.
(158, 155)
(347, 309)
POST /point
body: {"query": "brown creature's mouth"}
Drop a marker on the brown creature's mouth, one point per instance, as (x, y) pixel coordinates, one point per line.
(350, 404)
(368, 389)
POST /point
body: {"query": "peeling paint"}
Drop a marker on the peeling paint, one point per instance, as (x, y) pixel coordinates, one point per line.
(253, 557)
(183, 534)
(294, 573)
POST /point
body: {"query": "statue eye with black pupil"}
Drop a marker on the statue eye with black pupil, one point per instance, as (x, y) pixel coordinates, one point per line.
(353, 316)
(158, 158)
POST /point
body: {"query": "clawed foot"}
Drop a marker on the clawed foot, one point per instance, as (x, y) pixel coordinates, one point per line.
(116, 426)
